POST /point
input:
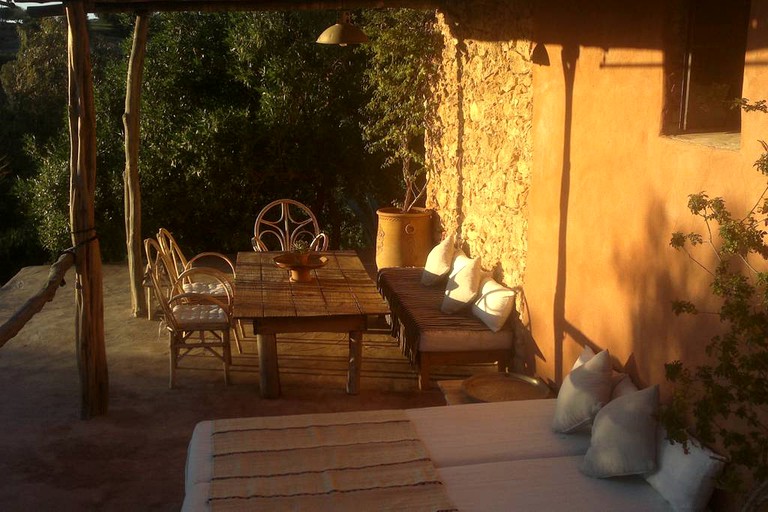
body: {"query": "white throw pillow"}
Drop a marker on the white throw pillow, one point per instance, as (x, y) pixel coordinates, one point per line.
(463, 284)
(685, 480)
(622, 385)
(584, 392)
(624, 436)
(439, 261)
(460, 260)
(586, 354)
(494, 304)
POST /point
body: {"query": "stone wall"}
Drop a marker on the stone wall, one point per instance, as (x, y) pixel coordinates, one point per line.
(479, 144)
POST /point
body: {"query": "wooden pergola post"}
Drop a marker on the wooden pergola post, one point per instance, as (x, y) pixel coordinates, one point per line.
(89, 298)
(132, 189)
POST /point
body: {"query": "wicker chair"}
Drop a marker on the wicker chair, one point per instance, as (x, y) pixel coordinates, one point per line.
(195, 322)
(178, 263)
(282, 223)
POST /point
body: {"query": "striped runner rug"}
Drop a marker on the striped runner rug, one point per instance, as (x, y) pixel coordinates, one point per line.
(371, 460)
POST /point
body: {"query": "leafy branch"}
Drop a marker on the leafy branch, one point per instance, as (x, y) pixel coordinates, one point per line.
(727, 397)
(401, 63)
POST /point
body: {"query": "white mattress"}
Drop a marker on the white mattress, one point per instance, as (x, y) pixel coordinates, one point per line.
(550, 484)
(199, 468)
(489, 432)
(490, 456)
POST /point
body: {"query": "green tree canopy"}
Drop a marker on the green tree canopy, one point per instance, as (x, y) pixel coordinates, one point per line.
(238, 109)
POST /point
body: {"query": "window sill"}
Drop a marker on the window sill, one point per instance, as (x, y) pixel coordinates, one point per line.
(719, 140)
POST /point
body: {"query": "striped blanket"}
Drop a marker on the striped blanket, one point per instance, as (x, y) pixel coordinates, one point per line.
(342, 461)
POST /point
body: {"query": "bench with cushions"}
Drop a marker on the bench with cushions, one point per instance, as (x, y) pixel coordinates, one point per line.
(449, 312)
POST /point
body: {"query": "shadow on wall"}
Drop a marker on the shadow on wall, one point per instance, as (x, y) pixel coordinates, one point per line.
(599, 23)
(658, 335)
(561, 326)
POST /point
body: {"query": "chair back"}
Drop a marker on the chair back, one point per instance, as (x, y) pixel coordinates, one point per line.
(172, 252)
(162, 276)
(282, 223)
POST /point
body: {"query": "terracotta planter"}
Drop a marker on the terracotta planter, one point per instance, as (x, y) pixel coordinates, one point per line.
(403, 239)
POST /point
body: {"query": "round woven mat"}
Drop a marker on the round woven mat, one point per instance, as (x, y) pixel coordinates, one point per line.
(499, 387)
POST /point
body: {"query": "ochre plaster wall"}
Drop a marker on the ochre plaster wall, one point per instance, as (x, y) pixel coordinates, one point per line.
(582, 213)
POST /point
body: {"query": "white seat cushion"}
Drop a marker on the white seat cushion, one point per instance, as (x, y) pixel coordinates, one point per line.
(191, 315)
(215, 289)
(494, 431)
(452, 339)
(545, 484)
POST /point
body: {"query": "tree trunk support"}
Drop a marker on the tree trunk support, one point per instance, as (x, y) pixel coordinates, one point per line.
(89, 299)
(132, 188)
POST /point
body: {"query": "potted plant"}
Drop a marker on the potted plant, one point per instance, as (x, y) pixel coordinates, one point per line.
(301, 252)
(402, 61)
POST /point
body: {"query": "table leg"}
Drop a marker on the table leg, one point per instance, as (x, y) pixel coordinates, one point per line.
(269, 373)
(355, 361)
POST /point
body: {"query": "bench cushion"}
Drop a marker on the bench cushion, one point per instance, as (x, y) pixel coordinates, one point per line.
(420, 325)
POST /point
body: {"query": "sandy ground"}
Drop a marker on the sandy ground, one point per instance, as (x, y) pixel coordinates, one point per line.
(133, 458)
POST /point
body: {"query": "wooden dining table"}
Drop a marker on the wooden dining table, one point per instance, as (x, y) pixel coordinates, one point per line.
(338, 297)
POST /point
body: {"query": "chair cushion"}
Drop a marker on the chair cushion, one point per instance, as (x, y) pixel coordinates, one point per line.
(191, 316)
(215, 289)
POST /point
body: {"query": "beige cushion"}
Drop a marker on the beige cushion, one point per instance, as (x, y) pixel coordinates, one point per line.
(463, 284)
(494, 304)
(458, 340)
(214, 288)
(192, 315)
(624, 436)
(584, 392)
(686, 480)
(439, 260)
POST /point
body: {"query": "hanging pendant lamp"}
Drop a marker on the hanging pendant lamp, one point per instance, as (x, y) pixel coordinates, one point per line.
(342, 33)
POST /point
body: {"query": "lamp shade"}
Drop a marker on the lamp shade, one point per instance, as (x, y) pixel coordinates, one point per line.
(342, 33)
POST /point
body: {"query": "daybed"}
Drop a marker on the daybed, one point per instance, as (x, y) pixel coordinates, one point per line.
(429, 337)
(492, 457)
(503, 456)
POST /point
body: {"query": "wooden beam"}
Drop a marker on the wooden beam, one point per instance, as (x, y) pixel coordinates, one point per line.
(35, 304)
(109, 6)
(132, 189)
(89, 298)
